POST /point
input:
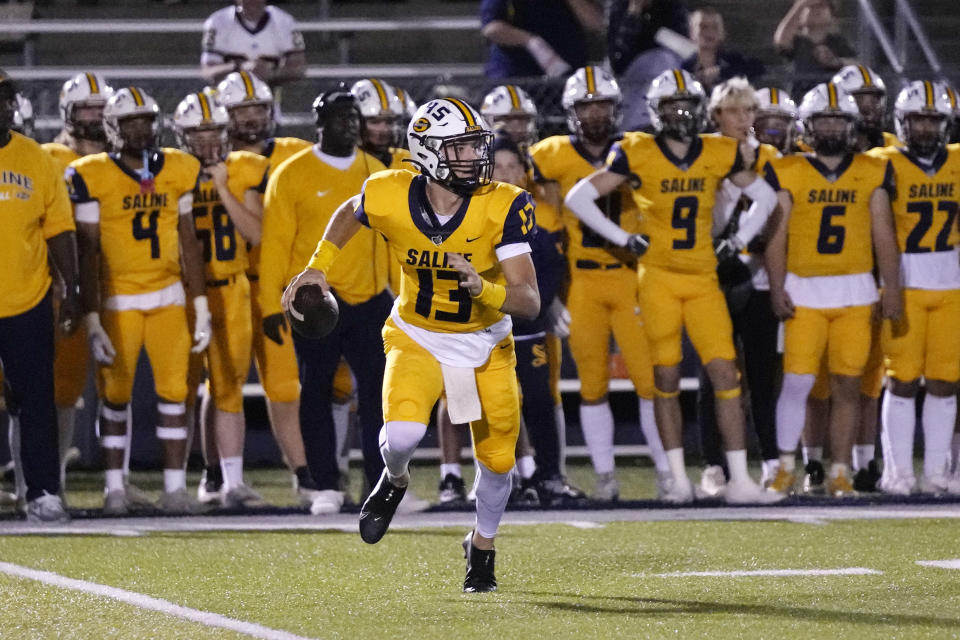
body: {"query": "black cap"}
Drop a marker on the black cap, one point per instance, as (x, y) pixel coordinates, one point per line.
(6, 81)
(328, 101)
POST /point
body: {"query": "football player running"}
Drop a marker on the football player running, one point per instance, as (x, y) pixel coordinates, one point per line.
(924, 341)
(249, 104)
(134, 217)
(227, 208)
(466, 269)
(602, 298)
(834, 215)
(675, 174)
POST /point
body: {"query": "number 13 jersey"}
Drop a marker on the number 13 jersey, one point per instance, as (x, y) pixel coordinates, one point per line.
(490, 226)
(139, 240)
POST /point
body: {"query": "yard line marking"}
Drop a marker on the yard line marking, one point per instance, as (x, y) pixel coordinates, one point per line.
(147, 602)
(780, 573)
(586, 524)
(808, 520)
(940, 564)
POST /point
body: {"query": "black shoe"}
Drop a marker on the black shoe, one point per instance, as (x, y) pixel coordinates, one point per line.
(451, 490)
(557, 490)
(814, 479)
(525, 495)
(867, 479)
(378, 509)
(480, 578)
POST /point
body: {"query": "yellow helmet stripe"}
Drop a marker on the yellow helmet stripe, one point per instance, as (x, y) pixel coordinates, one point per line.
(867, 79)
(204, 106)
(832, 95)
(591, 80)
(952, 96)
(384, 101)
(402, 96)
(514, 97)
(137, 97)
(465, 110)
(774, 96)
(94, 85)
(248, 85)
(681, 83)
(928, 92)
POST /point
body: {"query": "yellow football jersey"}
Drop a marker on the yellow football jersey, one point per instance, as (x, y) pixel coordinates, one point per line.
(139, 241)
(829, 230)
(395, 205)
(34, 207)
(562, 159)
(63, 154)
(676, 196)
(927, 199)
(301, 197)
(277, 151)
(765, 153)
(224, 249)
(398, 160)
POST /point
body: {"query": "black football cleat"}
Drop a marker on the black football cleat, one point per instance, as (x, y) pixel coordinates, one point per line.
(480, 578)
(867, 479)
(378, 509)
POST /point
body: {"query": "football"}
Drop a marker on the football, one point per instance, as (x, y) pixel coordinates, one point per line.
(313, 313)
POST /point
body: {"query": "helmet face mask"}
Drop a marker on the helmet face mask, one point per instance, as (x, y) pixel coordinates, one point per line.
(132, 120)
(923, 114)
(381, 133)
(511, 111)
(249, 102)
(681, 118)
(208, 143)
(831, 135)
(592, 85)
(925, 133)
(138, 133)
(467, 161)
(595, 121)
(82, 100)
(251, 123)
(775, 129)
(871, 105)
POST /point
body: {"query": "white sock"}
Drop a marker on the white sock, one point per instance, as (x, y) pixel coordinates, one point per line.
(450, 468)
(648, 425)
(174, 480)
(493, 491)
(770, 468)
(678, 468)
(788, 462)
(114, 479)
(398, 441)
(898, 420)
(232, 472)
(812, 453)
(341, 423)
(596, 420)
(838, 469)
(126, 450)
(939, 415)
(862, 455)
(526, 467)
(737, 463)
(13, 435)
(561, 419)
(792, 409)
(955, 451)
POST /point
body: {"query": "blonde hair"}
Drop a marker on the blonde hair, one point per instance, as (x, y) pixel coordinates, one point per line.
(735, 91)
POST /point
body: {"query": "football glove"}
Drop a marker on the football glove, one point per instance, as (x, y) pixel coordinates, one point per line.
(558, 319)
(100, 345)
(638, 244)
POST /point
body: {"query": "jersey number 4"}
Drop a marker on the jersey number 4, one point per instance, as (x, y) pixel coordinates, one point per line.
(145, 228)
(425, 296)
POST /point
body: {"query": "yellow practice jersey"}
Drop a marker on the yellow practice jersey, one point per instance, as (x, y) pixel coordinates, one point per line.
(829, 229)
(63, 154)
(926, 201)
(676, 195)
(224, 249)
(395, 205)
(34, 207)
(277, 151)
(398, 160)
(139, 241)
(562, 159)
(302, 195)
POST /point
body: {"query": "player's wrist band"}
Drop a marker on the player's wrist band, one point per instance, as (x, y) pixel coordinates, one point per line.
(324, 256)
(492, 295)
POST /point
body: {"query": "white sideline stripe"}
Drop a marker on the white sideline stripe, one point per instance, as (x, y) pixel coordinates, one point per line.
(778, 573)
(940, 564)
(146, 602)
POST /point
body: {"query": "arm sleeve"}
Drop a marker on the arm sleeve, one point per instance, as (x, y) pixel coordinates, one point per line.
(58, 214)
(277, 239)
(519, 222)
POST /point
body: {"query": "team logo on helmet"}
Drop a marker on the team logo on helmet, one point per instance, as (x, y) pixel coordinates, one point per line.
(420, 125)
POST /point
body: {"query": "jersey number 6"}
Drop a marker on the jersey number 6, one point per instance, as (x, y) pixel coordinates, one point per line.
(830, 240)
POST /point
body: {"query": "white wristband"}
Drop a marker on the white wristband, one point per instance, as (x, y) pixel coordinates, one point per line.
(580, 200)
(200, 306)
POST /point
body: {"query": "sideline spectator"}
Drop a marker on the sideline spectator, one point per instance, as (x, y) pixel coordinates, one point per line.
(636, 58)
(252, 36)
(534, 38)
(713, 63)
(808, 36)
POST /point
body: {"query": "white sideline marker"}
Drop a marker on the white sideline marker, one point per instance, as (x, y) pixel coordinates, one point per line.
(940, 564)
(147, 602)
(776, 573)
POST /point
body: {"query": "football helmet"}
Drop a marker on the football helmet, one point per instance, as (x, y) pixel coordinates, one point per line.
(676, 103)
(776, 121)
(409, 106)
(125, 103)
(452, 144)
(508, 107)
(242, 89)
(592, 84)
(23, 116)
(196, 114)
(382, 113)
(923, 98)
(84, 90)
(867, 89)
(828, 100)
(954, 135)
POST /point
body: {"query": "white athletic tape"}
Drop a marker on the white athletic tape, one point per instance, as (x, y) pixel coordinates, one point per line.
(171, 408)
(113, 442)
(172, 433)
(113, 415)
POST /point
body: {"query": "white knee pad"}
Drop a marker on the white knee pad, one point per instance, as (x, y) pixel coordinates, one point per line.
(398, 441)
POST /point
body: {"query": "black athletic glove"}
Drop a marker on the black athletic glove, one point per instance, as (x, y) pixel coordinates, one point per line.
(273, 325)
(638, 244)
(726, 248)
